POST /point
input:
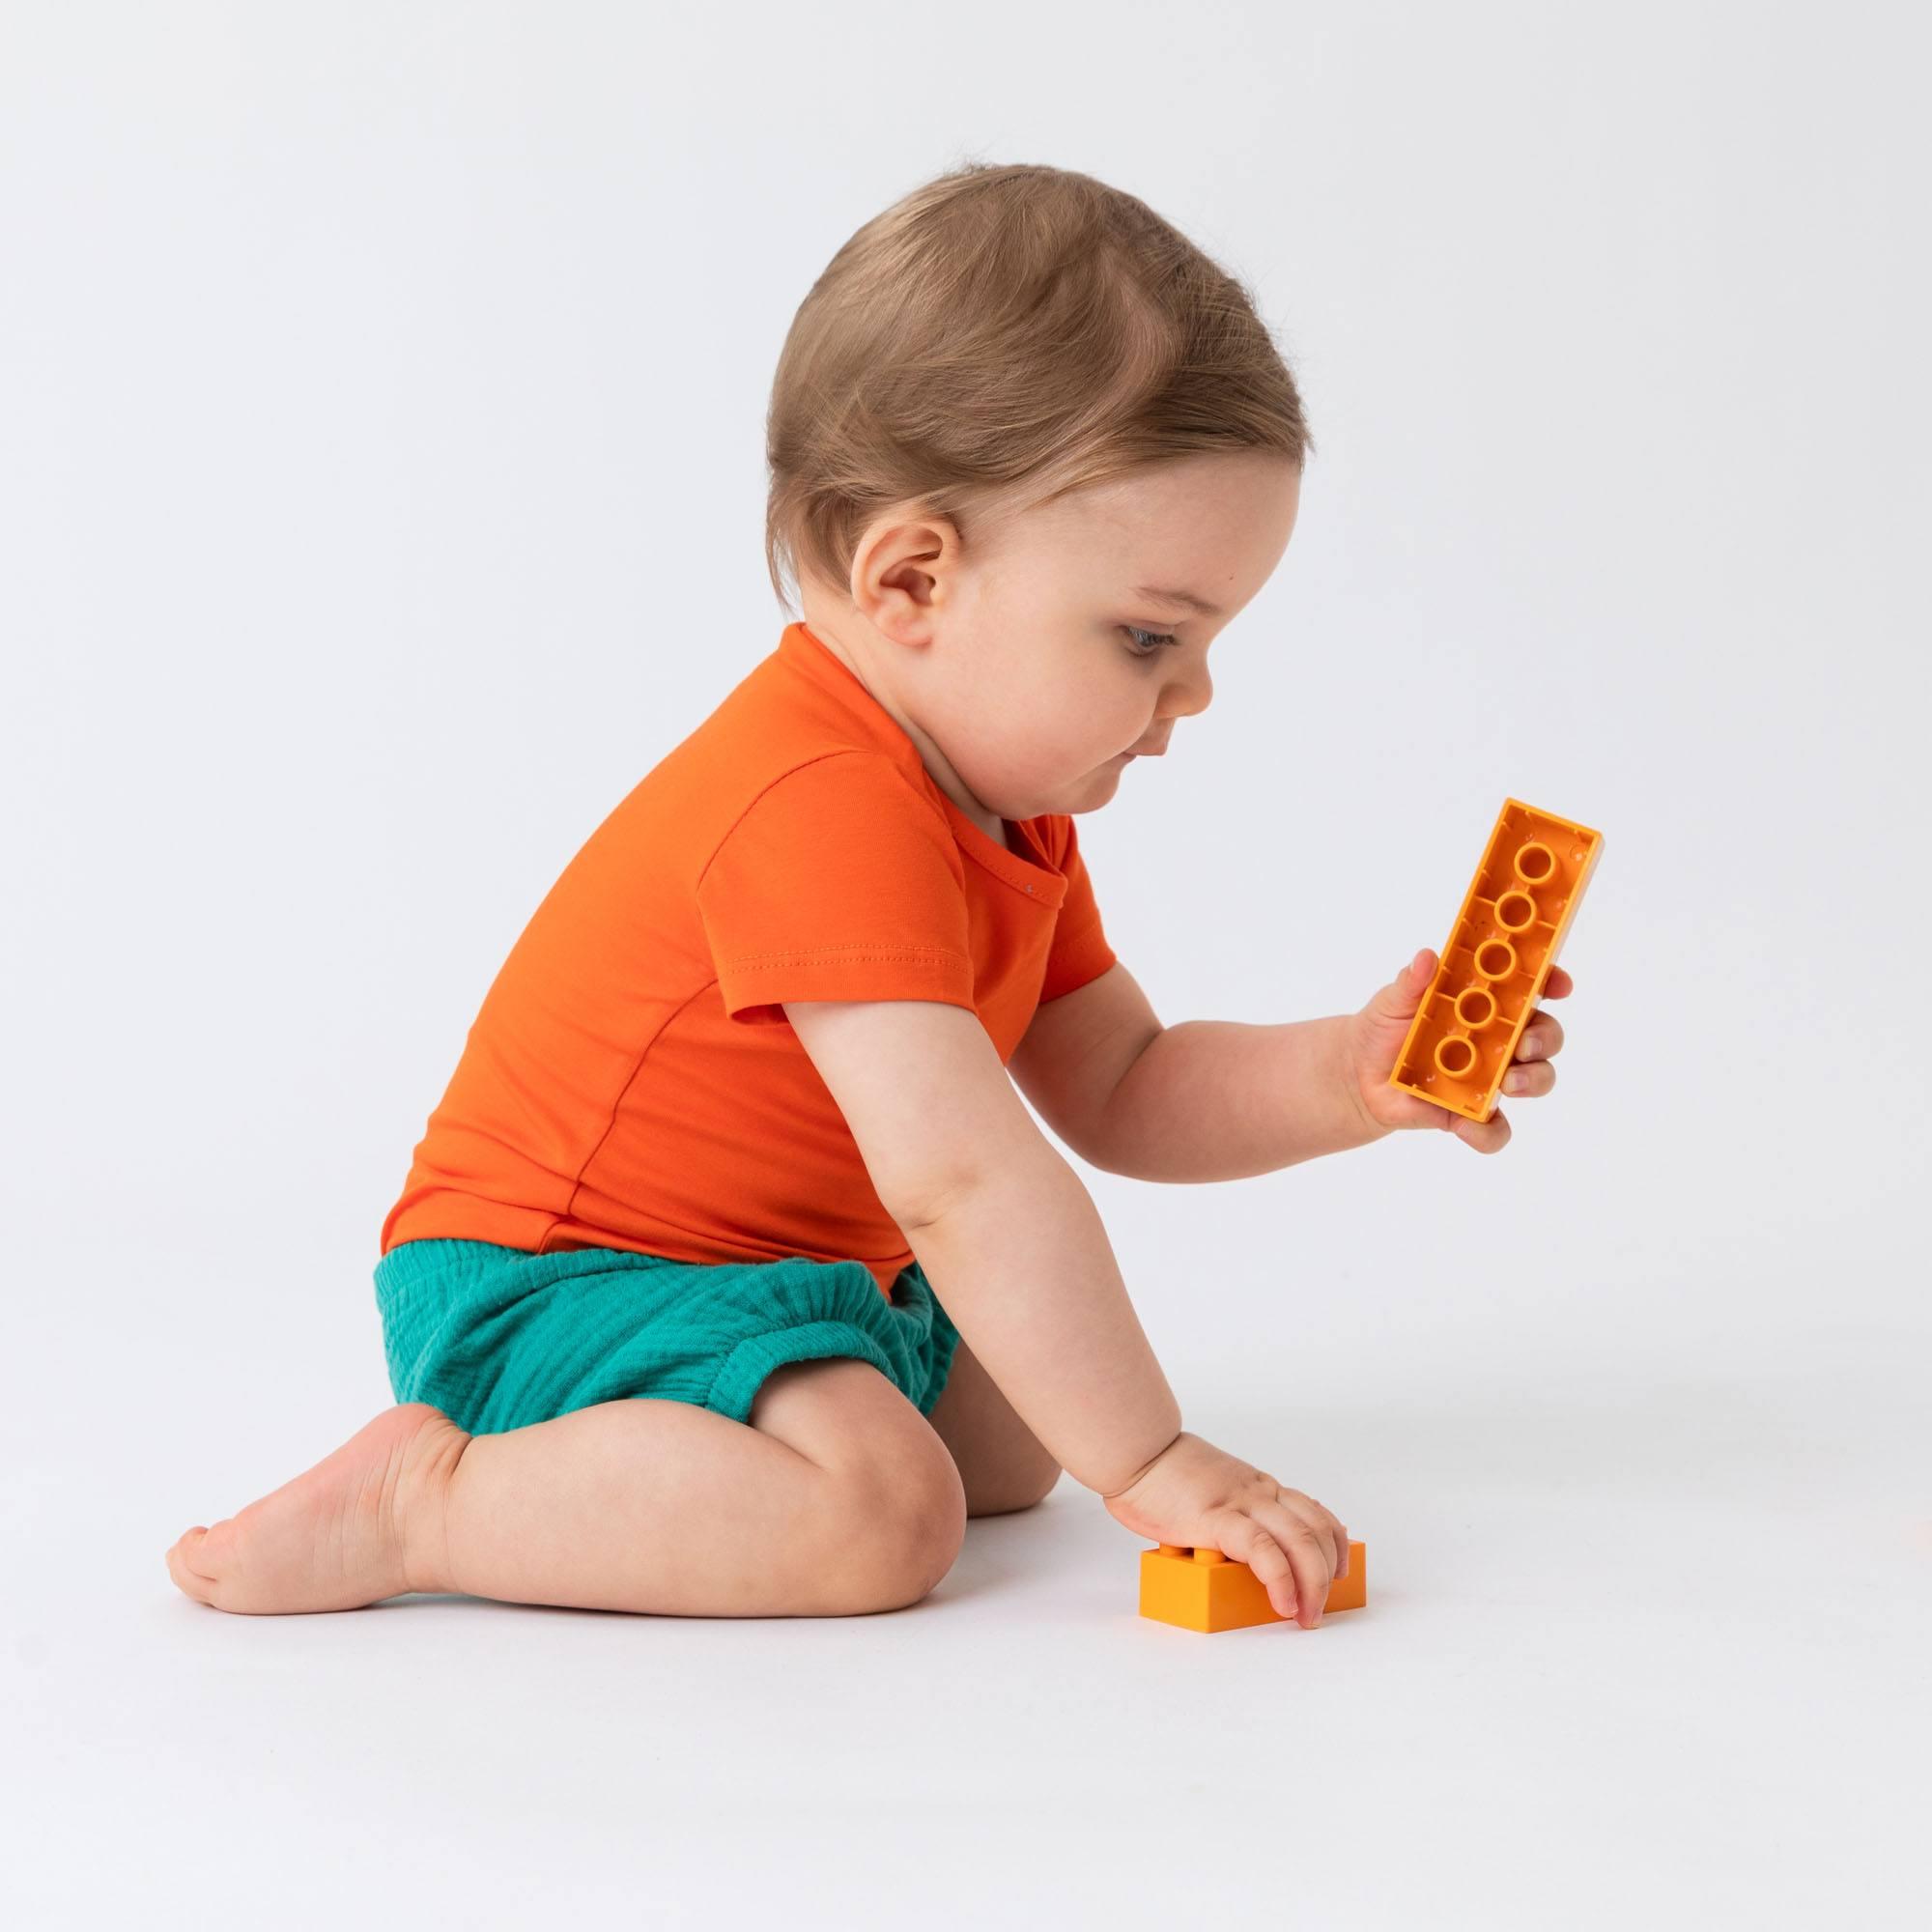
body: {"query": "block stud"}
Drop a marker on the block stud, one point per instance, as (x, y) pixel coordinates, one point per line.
(1475, 1007)
(1535, 861)
(1514, 911)
(1495, 960)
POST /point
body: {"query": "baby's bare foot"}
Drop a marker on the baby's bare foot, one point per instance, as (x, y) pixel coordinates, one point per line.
(363, 1525)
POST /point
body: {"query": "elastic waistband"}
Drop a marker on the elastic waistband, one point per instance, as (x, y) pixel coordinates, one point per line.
(410, 1258)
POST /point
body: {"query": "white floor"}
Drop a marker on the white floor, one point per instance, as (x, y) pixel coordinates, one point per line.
(1641, 1648)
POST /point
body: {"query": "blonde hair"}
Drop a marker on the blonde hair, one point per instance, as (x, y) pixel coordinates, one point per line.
(998, 338)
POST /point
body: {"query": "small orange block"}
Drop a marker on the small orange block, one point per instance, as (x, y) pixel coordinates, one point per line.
(1504, 942)
(1203, 1590)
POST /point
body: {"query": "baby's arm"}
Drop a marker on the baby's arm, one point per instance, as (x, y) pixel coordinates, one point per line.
(1224, 1100)
(1016, 1252)
(1006, 1232)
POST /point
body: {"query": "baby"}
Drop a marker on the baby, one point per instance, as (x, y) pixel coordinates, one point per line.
(731, 1275)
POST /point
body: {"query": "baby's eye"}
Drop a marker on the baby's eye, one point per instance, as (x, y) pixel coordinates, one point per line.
(1159, 638)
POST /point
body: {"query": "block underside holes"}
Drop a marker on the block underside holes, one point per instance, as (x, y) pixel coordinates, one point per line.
(1494, 966)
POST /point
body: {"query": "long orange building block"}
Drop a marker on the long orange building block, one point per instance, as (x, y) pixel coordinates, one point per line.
(1203, 1590)
(1504, 942)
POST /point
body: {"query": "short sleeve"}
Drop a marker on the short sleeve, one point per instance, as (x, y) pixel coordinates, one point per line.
(838, 882)
(1080, 951)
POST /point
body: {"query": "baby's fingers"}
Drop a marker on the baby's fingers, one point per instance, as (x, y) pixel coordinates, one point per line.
(1246, 1542)
(1316, 1545)
(1288, 1555)
(1528, 1081)
(1322, 1517)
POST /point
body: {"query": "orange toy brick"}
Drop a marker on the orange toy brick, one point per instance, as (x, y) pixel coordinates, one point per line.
(1504, 942)
(1203, 1590)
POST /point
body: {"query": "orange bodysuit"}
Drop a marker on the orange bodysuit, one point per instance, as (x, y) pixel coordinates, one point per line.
(631, 1080)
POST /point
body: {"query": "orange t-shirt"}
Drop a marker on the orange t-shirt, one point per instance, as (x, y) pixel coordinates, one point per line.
(631, 1080)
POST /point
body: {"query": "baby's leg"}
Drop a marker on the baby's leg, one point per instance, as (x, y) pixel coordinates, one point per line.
(836, 1498)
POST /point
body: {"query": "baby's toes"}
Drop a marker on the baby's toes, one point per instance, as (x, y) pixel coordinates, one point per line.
(187, 1577)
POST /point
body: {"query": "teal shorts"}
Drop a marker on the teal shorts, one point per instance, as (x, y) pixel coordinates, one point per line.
(498, 1338)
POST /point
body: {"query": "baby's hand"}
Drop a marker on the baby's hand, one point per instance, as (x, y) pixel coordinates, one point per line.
(1197, 1495)
(1375, 1040)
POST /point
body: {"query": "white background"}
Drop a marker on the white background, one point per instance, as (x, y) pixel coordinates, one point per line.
(382, 393)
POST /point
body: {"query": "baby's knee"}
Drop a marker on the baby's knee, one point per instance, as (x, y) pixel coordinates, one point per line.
(906, 1520)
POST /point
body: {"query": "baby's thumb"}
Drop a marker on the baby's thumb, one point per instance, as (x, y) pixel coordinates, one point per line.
(1402, 995)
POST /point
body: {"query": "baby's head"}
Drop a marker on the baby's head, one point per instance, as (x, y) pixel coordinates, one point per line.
(1013, 408)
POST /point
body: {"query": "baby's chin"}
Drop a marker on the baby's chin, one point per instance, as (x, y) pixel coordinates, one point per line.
(1103, 782)
(1079, 793)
